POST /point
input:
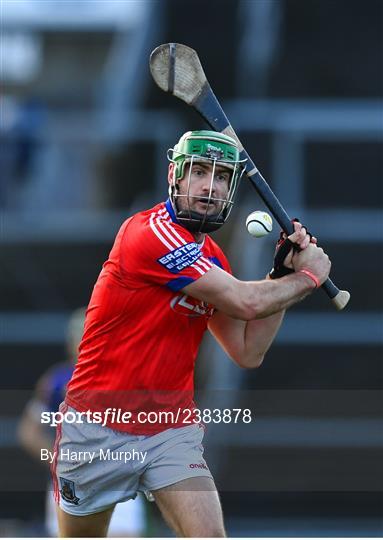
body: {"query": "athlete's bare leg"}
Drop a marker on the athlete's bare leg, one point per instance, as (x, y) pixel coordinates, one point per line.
(192, 508)
(84, 526)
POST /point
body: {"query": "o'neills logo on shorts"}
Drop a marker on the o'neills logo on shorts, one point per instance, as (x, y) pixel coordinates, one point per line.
(198, 466)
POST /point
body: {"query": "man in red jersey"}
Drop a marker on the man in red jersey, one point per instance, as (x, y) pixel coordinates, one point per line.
(128, 414)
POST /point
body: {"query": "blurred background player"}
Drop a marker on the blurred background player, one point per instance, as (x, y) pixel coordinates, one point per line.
(128, 519)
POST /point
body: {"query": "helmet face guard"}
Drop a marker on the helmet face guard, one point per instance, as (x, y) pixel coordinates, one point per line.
(216, 150)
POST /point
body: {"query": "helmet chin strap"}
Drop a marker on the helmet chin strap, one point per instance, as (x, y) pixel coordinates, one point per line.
(195, 222)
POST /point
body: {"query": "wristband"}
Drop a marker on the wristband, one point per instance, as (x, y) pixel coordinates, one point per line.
(311, 276)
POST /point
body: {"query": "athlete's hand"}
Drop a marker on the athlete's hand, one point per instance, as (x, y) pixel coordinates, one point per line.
(286, 246)
(301, 239)
(314, 259)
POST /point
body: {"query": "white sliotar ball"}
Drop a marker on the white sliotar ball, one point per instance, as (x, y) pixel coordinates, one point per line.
(259, 223)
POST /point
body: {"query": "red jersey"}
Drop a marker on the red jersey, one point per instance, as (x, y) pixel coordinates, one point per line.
(142, 333)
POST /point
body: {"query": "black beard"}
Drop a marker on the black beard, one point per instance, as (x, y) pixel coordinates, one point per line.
(196, 222)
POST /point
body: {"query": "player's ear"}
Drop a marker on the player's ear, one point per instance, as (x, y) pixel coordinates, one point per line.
(171, 173)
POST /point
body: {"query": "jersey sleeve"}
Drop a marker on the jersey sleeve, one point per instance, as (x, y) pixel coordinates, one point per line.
(161, 252)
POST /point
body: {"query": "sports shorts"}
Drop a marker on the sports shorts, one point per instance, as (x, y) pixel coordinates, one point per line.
(95, 467)
(128, 517)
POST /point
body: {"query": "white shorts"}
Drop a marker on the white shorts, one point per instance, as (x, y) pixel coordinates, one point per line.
(128, 518)
(96, 467)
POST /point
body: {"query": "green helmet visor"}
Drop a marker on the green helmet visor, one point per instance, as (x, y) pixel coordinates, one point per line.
(207, 210)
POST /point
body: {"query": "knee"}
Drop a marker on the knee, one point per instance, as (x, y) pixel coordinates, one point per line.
(210, 530)
(215, 532)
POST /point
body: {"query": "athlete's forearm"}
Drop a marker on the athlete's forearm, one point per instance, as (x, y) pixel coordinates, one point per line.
(266, 297)
(246, 342)
(249, 300)
(258, 337)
